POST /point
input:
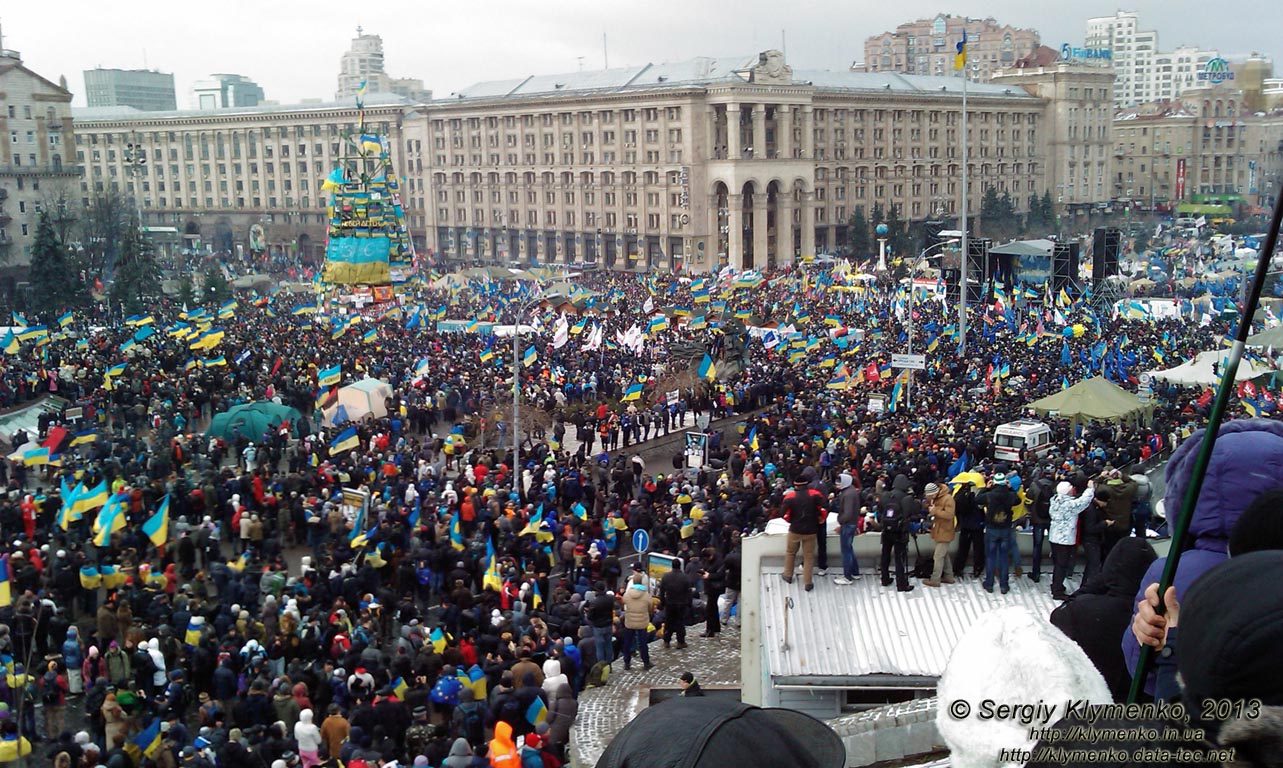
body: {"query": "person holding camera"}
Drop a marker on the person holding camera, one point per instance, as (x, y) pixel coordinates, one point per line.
(897, 511)
(999, 503)
(940, 507)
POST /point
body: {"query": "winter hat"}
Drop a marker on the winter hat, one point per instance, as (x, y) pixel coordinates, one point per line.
(1247, 461)
(931, 490)
(1227, 644)
(844, 481)
(999, 477)
(1011, 657)
(1064, 488)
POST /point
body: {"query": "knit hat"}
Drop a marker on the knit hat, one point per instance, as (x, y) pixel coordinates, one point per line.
(844, 481)
(1011, 657)
(1064, 488)
(931, 490)
(999, 477)
(1227, 643)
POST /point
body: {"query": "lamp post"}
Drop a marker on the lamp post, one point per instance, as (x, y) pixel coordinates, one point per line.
(913, 269)
(135, 157)
(516, 382)
(881, 231)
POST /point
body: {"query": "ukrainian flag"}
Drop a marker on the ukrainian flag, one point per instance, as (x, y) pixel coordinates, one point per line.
(157, 526)
(697, 323)
(536, 713)
(487, 355)
(578, 327)
(208, 340)
(529, 357)
(32, 332)
(361, 538)
(191, 364)
(707, 370)
(6, 591)
(399, 687)
(421, 367)
(438, 639)
(456, 532)
(491, 576)
(19, 320)
(90, 499)
(536, 597)
(960, 58)
(65, 319)
(634, 392)
(657, 324)
(304, 309)
(370, 336)
(330, 376)
(895, 396)
(1252, 407)
(10, 343)
(214, 362)
(192, 636)
(345, 441)
(147, 741)
(111, 518)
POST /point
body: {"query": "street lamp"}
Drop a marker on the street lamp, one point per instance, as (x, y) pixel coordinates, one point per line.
(913, 268)
(516, 380)
(135, 157)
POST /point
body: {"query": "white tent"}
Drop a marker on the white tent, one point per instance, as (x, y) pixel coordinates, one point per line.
(1198, 372)
(356, 401)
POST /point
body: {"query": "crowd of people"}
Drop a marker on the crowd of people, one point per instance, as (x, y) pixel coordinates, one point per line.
(397, 591)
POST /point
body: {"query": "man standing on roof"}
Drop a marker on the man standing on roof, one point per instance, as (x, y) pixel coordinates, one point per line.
(804, 511)
(999, 502)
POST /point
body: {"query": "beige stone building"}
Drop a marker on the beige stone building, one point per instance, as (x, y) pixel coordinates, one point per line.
(708, 162)
(1077, 120)
(1202, 148)
(927, 46)
(214, 174)
(35, 158)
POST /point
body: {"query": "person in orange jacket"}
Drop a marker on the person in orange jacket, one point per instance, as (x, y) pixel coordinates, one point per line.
(503, 750)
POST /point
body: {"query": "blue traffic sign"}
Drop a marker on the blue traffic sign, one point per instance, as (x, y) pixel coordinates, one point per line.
(641, 540)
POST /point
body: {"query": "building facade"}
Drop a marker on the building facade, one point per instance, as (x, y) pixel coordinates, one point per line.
(927, 46)
(35, 161)
(1204, 147)
(143, 89)
(215, 174)
(363, 64)
(225, 92)
(699, 164)
(1077, 119)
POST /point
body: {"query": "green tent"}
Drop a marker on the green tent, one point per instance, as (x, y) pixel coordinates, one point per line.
(1099, 399)
(252, 420)
(1270, 337)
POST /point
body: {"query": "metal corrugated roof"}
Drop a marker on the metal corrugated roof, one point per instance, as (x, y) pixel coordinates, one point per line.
(898, 83)
(868, 629)
(91, 114)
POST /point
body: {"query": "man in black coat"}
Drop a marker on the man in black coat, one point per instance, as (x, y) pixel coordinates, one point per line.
(675, 600)
(971, 532)
(897, 509)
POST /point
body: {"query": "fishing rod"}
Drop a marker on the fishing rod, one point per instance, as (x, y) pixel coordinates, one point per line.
(1180, 530)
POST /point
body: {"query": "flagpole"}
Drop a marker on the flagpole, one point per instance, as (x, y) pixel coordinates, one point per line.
(962, 297)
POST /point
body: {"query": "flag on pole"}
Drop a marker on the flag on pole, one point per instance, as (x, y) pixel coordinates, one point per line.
(157, 526)
(960, 57)
(329, 376)
(345, 441)
(530, 356)
(491, 576)
(707, 370)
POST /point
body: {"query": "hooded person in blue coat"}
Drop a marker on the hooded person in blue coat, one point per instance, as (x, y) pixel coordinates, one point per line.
(1247, 461)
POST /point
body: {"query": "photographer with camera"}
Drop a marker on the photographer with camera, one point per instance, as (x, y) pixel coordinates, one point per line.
(898, 510)
(940, 507)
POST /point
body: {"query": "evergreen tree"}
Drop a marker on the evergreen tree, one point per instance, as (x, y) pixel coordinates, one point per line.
(877, 217)
(215, 287)
(897, 235)
(1033, 219)
(186, 290)
(55, 286)
(858, 234)
(1048, 211)
(137, 277)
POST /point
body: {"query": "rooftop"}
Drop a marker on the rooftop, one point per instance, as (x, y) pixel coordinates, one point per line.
(880, 631)
(707, 71)
(106, 114)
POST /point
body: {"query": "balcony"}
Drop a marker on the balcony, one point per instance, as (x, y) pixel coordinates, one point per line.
(39, 170)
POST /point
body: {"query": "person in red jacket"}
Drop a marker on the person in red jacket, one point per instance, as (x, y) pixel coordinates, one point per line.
(803, 509)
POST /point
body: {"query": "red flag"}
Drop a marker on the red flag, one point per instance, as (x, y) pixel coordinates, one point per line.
(54, 439)
(1204, 398)
(276, 366)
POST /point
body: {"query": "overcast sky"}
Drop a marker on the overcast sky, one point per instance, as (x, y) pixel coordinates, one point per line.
(292, 47)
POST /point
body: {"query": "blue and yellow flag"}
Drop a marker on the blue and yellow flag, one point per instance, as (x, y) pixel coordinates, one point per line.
(345, 441)
(146, 742)
(65, 319)
(634, 392)
(329, 376)
(399, 687)
(490, 578)
(88, 499)
(536, 713)
(456, 532)
(529, 357)
(960, 57)
(437, 639)
(111, 518)
(707, 370)
(157, 526)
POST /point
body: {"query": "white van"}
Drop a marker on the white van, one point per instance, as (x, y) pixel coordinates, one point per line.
(1014, 437)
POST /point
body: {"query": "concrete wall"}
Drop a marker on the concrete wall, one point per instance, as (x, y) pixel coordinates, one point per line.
(893, 732)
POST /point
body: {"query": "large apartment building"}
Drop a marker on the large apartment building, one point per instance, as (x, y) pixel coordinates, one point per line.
(35, 158)
(214, 174)
(686, 166)
(927, 46)
(1203, 147)
(707, 162)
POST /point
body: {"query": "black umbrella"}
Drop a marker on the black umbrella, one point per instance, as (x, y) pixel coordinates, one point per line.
(707, 732)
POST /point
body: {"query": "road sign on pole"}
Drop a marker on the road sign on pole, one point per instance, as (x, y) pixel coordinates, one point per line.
(912, 362)
(641, 540)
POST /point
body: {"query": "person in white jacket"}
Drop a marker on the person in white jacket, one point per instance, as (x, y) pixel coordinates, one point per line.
(308, 737)
(1063, 533)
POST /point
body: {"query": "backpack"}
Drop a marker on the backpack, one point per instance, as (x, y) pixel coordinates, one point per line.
(894, 520)
(474, 724)
(51, 693)
(597, 676)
